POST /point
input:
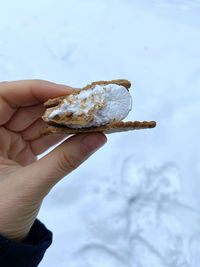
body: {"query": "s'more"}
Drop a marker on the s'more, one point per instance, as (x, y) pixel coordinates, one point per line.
(98, 107)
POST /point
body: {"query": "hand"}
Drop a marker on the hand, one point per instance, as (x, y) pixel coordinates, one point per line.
(25, 181)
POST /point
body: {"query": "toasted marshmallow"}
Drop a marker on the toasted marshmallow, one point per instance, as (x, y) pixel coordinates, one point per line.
(93, 107)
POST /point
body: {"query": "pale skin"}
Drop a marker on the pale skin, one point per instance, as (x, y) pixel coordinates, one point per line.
(24, 180)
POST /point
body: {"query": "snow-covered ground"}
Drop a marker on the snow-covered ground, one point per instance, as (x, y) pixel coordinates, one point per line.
(136, 202)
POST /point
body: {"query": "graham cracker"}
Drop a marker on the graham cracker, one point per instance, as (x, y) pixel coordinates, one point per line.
(107, 129)
(58, 128)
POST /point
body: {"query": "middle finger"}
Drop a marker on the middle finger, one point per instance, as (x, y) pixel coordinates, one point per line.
(24, 117)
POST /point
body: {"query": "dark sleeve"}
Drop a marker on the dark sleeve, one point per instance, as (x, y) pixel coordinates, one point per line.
(30, 252)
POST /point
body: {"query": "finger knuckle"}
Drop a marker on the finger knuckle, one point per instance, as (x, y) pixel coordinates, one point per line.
(37, 82)
(69, 162)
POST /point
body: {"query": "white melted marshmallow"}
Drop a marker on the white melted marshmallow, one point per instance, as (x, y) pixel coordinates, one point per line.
(108, 103)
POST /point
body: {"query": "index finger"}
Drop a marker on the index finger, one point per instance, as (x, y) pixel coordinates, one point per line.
(31, 92)
(27, 93)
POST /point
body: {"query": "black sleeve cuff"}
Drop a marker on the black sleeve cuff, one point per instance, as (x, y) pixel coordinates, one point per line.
(30, 252)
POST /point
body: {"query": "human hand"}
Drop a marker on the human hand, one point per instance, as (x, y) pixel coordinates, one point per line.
(24, 180)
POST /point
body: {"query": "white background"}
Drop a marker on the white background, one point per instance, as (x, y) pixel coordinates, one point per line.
(136, 202)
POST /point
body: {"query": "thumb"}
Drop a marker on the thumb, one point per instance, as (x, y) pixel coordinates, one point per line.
(46, 172)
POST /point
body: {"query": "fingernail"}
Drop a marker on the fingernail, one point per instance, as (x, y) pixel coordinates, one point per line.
(63, 85)
(66, 86)
(69, 89)
(92, 142)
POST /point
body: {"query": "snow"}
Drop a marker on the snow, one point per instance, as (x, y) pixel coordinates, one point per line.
(135, 203)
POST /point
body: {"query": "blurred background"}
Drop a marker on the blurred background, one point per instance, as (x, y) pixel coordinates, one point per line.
(136, 202)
